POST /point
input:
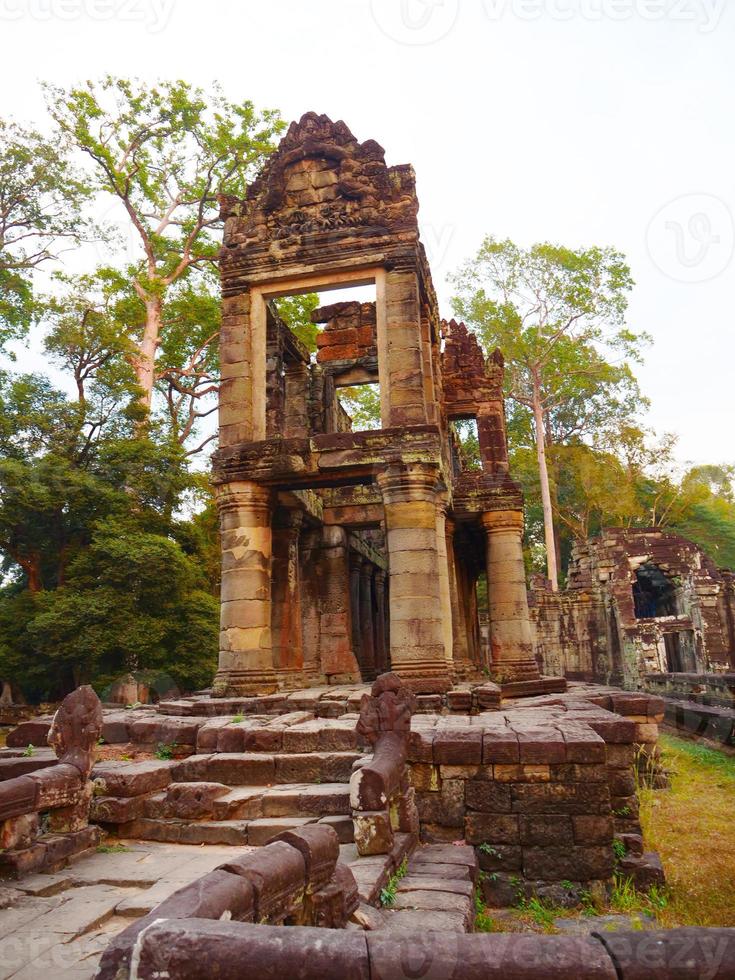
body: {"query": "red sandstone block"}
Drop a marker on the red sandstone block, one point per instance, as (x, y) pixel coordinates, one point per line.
(541, 746)
(421, 746)
(491, 828)
(277, 873)
(613, 730)
(501, 747)
(458, 747)
(627, 703)
(333, 338)
(583, 745)
(544, 829)
(591, 829)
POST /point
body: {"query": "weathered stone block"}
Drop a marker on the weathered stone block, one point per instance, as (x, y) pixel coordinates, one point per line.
(491, 828)
(544, 830)
(491, 797)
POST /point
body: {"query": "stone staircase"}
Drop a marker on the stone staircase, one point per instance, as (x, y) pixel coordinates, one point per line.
(237, 798)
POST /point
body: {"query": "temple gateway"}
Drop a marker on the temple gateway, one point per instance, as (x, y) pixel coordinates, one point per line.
(348, 553)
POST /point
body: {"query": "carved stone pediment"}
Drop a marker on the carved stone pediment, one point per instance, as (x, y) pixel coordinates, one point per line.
(321, 180)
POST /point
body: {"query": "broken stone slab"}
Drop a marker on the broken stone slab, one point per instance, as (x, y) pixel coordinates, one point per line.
(453, 886)
(216, 895)
(131, 778)
(319, 846)
(179, 948)
(277, 874)
(264, 830)
(424, 920)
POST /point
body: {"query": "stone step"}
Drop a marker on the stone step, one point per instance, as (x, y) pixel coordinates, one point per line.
(436, 892)
(262, 769)
(181, 801)
(254, 833)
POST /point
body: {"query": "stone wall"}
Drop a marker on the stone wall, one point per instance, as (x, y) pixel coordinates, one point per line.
(542, 794)
(591, 630)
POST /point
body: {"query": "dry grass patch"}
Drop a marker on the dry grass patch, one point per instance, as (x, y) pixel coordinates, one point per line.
(692, 826)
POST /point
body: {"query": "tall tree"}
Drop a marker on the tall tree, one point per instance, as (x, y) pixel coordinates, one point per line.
(41, 211)
(558, 315)
(164, 152)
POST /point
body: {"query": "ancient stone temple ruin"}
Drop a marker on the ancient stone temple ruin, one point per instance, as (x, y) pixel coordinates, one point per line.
(365, 772)
(348, 553)
(639, 602)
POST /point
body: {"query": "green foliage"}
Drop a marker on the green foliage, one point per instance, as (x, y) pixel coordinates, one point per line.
(29, 750)
(164, 751)
(389, 891)
(41, 200)
(362, 404)
(296, 312)
(624, 897)
(619, 849)
(540, 912)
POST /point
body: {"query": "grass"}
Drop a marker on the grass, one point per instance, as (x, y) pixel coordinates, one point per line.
(691, 826)
(112, 849)
(388, 893)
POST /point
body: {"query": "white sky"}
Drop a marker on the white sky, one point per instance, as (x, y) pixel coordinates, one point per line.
(575, 121)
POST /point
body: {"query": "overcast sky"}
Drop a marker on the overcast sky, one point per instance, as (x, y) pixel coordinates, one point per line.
(581, 122)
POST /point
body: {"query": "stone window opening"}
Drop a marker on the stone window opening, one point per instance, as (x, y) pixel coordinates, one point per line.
(466, 444)
(654, 593)
(362, 405)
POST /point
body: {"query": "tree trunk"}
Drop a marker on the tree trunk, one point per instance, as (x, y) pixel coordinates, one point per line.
(145, 359)
(549, 537)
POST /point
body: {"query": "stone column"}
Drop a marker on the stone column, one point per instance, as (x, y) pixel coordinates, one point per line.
(460, 640)
(246, 657)
(511, 640)
(367, 636)
(445, 599)
(416, 630)
(355, 560)
(381, 644)
(288, 654)
(310, 576)
(335, 645)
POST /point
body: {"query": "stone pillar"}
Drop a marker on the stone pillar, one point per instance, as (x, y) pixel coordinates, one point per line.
(402, 367)
(356, 561)
(416, 630)
(335, 647)
(381, 640)
(460, 639)
(246, 657)
(236, 415)
(310, 576)
(444, 585)
(367, 636)
(288, 653)
(511, 640)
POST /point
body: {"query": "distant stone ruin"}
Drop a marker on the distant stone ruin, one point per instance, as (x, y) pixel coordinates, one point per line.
(639, 602)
